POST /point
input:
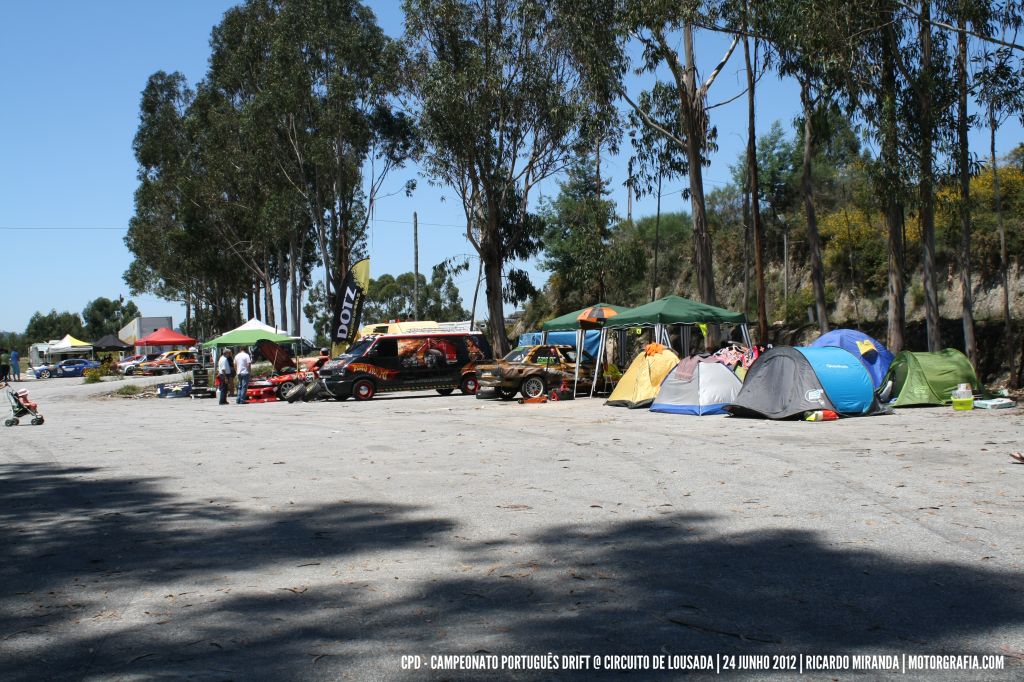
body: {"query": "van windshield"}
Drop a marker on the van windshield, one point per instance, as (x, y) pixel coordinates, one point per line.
(358, 348)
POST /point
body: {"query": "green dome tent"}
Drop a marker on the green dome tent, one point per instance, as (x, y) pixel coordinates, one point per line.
(929, 378)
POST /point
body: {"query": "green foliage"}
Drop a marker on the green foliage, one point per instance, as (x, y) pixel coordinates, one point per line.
(53, 325)
(500, 110)
(129, 391)
(577, 238)
(103, 316)
(92, 376)
(391, 298)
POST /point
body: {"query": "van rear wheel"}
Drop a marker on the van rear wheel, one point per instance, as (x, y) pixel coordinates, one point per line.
(446, 391)
(364, 389)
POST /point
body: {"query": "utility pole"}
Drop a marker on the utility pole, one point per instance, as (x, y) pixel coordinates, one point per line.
(415, 266)
(657, 241)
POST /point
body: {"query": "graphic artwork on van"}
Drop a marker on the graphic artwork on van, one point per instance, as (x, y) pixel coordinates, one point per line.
(372, 370)
(475, 354)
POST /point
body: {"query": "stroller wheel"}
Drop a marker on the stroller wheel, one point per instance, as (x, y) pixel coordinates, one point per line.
(11, 422)
(37, 421)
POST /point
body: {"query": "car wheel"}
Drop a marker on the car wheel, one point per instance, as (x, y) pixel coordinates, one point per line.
(295, 393)
(129, 371)
(506, 394)
(469, 384)
(446, 391)
(44, 374)
(364, 389)
(283, 388)
(532, 387)
(315, 390)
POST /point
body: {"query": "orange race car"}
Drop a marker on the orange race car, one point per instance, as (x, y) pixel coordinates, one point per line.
(171, 362)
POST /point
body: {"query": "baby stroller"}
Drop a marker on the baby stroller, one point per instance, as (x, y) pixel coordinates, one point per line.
(22, 406)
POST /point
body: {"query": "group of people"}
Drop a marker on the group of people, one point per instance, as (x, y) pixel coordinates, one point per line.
(10, 365)
(233, 368)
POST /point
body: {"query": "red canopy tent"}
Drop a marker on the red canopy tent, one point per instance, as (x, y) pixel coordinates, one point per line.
(166, 337)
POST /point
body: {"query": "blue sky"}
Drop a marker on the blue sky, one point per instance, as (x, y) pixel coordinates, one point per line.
(71, 74)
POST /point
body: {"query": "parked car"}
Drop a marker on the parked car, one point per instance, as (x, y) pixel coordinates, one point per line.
(171, 362)
(533, 370)
(129, 365)
(441, 361)
(289, 371)
(70, 367)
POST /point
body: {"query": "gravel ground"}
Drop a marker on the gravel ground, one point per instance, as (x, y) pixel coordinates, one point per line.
(170, 539)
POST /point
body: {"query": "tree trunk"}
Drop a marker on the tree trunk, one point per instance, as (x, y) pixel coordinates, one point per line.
(256, 300)
(248, 304)
(696, 134)
(294, 258)
(755, 209)
(495, 308)
(1004, 266)
(282, 287)
(268, 294)
(963, 170)
(897, 318)
(813, 240)
(927, 181)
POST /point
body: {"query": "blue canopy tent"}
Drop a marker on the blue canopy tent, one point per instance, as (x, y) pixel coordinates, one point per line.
(591, 339)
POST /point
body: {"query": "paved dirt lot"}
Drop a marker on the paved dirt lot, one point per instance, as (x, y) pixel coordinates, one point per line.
(177, 539)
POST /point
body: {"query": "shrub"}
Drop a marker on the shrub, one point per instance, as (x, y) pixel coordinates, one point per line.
(129, 390)
(92, 376)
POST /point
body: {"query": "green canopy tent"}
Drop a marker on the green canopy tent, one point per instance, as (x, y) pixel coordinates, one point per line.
(248, 334)
(674, 310)
(247, 337)
(571, 321)
(929, 378)
(575, 321)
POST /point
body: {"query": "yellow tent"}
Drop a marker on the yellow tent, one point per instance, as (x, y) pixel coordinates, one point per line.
(641, 382)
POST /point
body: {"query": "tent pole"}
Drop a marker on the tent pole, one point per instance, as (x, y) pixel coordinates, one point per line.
(600, 354)
(579, 358)
(745, 330)
(687, 331)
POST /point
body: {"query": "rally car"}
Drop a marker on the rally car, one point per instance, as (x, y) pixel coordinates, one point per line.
(533, 370)
(71, 367)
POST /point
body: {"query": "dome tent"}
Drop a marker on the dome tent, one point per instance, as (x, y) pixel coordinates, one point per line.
(785, 382)
(640, 383)
(699, 385)
(875, 357)
(929, 378)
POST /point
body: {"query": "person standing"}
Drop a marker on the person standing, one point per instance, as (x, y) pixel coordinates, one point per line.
(5, 366)
(242, 365)
(15, 364)
(225, 369)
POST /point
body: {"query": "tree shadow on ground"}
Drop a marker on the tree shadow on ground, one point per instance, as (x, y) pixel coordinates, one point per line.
(382, 584)
(79, 547)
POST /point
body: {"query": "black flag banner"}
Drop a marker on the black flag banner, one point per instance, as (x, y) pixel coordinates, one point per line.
(348, 304)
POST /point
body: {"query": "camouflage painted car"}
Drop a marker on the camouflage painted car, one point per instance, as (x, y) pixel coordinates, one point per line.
(533, 371)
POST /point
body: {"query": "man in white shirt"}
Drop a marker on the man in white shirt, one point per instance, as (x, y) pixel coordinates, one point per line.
(242, 364)
(225, 368)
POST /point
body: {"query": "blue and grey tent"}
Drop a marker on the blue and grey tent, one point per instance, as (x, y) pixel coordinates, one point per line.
(875, 357)
(785, 382)
(699, 385)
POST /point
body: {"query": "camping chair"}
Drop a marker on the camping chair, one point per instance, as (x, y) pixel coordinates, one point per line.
(611, 376)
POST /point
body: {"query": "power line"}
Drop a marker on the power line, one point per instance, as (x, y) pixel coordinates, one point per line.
(73, 229)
